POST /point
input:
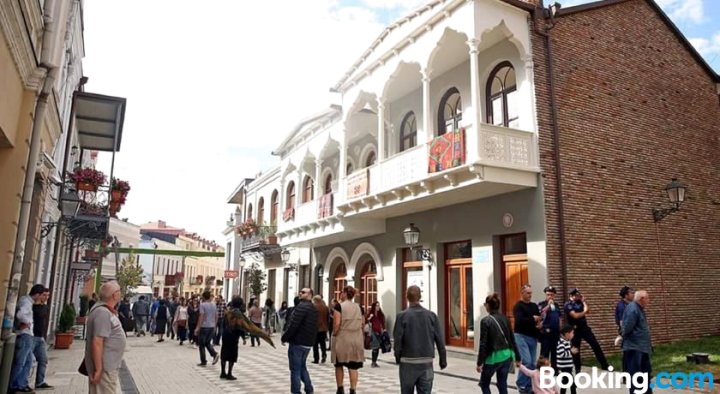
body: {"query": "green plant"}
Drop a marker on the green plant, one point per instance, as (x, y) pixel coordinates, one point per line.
(256, 277)
(266, 231)
(129, 275)
(67, 318)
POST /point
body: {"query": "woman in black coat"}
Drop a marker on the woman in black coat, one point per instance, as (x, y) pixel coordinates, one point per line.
(161, 318)
(230, 337)
(193, 315)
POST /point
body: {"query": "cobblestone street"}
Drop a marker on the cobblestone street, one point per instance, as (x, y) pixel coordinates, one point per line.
(170, 368)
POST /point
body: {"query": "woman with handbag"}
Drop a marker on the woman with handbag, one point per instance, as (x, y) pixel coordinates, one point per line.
(181, 321)
(346, 350)
(376, 320)
(497, 347)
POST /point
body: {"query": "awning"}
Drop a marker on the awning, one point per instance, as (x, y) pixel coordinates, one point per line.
(99, 121)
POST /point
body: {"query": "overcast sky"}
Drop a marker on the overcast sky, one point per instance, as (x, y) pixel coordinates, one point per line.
(214, 86)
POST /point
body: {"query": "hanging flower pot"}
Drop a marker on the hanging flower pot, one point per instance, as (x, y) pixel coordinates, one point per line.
(86, 186)
(116, 195)
(87, 179)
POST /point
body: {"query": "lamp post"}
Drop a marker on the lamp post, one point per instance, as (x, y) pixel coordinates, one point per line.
(285, 256)
(676, 194)
(412, 240)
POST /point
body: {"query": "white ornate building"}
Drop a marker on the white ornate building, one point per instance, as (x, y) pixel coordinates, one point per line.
(436, 127)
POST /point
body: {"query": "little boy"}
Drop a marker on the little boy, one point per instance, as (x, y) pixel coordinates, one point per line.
(565, 353)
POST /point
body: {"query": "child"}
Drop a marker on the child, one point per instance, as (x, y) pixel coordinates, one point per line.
(534, 375)
(565, 352)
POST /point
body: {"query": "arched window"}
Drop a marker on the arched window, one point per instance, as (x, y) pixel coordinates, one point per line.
(328, 184)
(368, 285)
(290, 201)
(308, 186)
(450, 113)
(274, 204)
(261, 211)
(339, 280)
(371, 158)
(249, 212)
(502, 96)
(408, 131)
(349, 169)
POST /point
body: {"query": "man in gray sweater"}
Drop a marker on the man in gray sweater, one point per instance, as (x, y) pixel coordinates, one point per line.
(417, 332)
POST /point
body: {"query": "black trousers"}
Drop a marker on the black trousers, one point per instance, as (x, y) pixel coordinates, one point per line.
(573, 388)
(548, 345)
(585, 333)
(319, 343)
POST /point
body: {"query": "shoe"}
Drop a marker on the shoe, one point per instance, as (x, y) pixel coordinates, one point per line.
(43, 386)
(323, 359)
(340, 390)
(25, 389)
(202, 365)
(375, 365)
(230, 377)
(216, 358)
(315, 362)
(181, 343)
(352, 391)
(159, 340)
(223, 375)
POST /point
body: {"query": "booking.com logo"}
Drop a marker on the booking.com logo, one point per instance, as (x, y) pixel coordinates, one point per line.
(641, 381)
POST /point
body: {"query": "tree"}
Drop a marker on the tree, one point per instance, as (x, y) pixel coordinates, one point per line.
(129, 275)
(256, 279)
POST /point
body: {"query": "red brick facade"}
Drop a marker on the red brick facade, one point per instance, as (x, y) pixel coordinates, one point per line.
(635, 109)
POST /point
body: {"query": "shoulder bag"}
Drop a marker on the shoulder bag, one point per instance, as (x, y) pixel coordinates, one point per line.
(82, 369)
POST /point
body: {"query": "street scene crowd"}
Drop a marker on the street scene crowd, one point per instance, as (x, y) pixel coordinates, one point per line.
(342, 328)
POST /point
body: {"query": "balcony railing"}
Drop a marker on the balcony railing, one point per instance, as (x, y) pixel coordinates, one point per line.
(263, 238)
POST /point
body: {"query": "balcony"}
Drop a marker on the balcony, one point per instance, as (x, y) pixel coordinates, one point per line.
(448, 170)
(262, 239)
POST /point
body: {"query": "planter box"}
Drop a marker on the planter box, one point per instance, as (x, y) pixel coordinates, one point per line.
(63, 340)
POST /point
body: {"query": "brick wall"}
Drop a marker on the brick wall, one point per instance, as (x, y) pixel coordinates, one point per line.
(634, 110)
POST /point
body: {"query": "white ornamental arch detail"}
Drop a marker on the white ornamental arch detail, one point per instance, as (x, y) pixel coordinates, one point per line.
(335, 253)
(366, 248)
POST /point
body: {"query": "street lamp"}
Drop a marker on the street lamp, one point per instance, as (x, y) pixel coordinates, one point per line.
(69, 203)
(412, 240)
(285, 256)
(676, 194)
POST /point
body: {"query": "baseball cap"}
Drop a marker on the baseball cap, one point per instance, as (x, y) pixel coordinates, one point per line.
(575, 291)
(550, 289)
(38, 289)
(625, 290)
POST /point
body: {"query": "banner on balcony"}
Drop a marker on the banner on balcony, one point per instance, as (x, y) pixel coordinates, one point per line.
(446, 151)
(170, 280)
(325, 206)
(357, 184)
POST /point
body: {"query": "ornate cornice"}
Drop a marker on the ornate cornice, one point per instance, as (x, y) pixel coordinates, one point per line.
(20, 44)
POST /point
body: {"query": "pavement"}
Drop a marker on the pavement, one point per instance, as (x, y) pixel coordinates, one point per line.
(166, 367)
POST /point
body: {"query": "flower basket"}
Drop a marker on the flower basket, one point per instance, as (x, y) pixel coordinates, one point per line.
(86, 186)
(116, 195)
(87, 179)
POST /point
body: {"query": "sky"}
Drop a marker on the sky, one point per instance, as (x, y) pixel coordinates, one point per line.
(213, 87)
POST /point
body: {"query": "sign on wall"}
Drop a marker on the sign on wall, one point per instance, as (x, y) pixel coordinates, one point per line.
(357, 184)
(231, 274)
(416, 278)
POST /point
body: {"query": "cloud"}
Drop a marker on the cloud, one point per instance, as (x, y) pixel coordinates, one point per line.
(684, 10)
(707, 47)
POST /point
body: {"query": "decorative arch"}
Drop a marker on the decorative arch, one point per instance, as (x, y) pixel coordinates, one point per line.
(350, 164)
(365, 154)
(274, 207)
(361, 99)
(327, 172)
(366, 248)
(450, 110)
(444, 49)
(336, 258)
(261, 211)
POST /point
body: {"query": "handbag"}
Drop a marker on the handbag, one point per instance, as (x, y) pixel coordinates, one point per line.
(385, 344)
(512, 365)
(367, 329)
(368, 342)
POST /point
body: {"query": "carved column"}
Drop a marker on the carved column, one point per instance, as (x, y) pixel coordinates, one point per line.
(319, 186)
(472, 136)
(425, 133)
(381, 130)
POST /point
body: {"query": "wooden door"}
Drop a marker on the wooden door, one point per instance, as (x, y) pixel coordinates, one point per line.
(515, 272)
(459, 301)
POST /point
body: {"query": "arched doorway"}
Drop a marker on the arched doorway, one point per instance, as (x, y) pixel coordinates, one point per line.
(339, 280)
(368, 285)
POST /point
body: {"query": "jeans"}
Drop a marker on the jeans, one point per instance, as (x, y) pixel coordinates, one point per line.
(254, 338)
(636, 361)
(140, 322)
(297, 358)
(501, 370)
(21, 368)
(39, 350)
(205, 341)
(527, 346)
(219, 332)
(319, 343)
(587, 334)
(414, 376)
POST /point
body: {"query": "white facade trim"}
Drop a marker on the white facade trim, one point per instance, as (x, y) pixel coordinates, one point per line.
(366, 248)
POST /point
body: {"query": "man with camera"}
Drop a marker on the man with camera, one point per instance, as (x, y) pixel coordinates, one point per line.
(576, 311)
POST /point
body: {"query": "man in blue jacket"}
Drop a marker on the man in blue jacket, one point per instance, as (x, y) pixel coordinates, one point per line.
(637, 345)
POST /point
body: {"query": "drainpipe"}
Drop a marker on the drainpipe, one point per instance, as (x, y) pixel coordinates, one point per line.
(544, 31)
(50, 33)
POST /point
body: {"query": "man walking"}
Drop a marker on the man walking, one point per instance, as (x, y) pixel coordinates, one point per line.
(140, 311)
(637, 345)
(550, 332)
(301, 334)
(172, 308)
(205, 330)
(24, 341)
(41, 315)
(576, 311)
(105, 341)
(417, 332)
(221, 307)
(527, 329)
(319, 344)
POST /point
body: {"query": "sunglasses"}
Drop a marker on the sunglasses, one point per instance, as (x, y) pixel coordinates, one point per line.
(303, 292)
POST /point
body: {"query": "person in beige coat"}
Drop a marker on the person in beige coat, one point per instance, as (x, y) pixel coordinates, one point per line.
(347, 346)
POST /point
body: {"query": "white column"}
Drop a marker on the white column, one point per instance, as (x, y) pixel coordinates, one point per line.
(425, 133)
(381, 130)
(319, 187)
(299, 190)
(281, 203)
(472, 135)
(340, 197)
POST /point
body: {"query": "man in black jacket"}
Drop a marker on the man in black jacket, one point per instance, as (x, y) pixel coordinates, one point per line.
(301, 333)
(527, 330)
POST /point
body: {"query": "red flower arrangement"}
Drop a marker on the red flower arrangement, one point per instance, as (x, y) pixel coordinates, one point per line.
(87, 178)
(247, 228)
(119, 190)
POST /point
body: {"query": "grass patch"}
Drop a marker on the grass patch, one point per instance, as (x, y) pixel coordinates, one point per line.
(671, 356)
